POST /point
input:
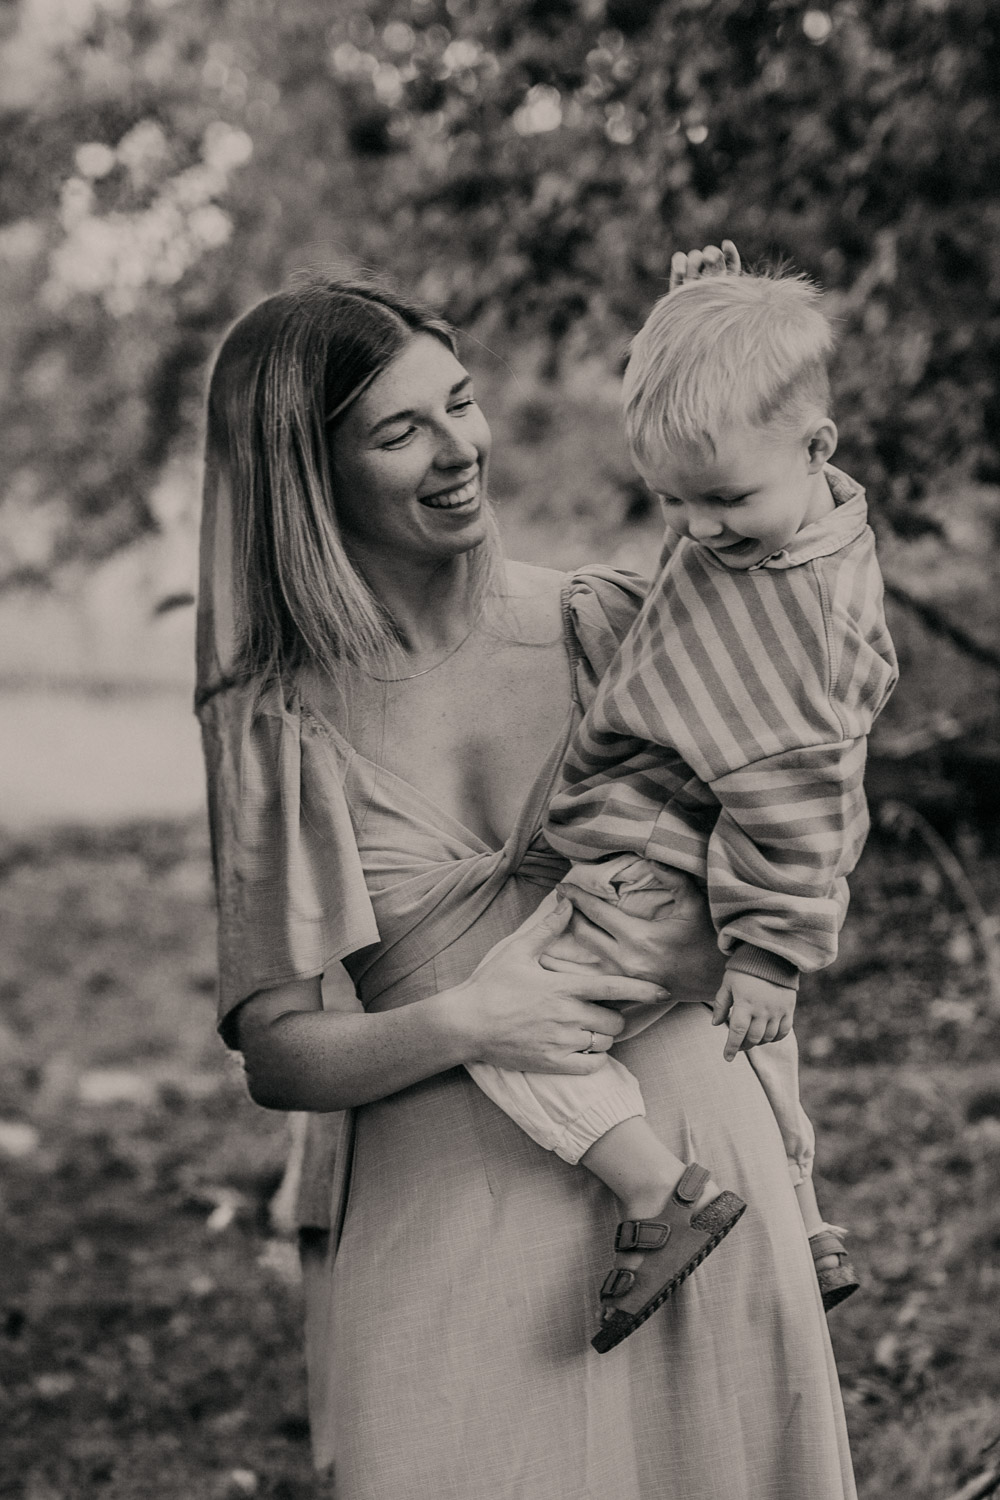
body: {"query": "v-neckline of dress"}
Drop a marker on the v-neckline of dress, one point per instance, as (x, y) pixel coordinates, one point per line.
(537, 792)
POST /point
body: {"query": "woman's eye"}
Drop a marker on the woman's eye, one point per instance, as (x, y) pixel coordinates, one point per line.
(669, 500)
(398, 439)
(463, 405)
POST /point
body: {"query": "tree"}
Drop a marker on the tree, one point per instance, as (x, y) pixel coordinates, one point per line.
(529, 164)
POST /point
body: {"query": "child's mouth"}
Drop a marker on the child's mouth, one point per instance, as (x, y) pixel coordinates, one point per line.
(737, 549)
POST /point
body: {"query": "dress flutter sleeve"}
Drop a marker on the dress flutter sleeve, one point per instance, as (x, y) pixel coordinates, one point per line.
(289, 882)
(601, 604)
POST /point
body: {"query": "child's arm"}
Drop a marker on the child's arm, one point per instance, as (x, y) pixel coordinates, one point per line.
(793, 817)
(790, 829)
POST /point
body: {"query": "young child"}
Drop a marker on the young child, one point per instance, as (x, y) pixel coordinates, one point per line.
(727, 739)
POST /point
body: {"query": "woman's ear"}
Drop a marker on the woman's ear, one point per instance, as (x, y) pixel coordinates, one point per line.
(822, 444)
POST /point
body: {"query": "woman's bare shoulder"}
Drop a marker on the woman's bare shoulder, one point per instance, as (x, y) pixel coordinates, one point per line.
(535, 594)
(527, 580)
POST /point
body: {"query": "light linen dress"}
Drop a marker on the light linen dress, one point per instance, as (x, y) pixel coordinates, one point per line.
(452, 1266)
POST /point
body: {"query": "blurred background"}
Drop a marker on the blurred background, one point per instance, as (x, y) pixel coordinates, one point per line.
(527, 166)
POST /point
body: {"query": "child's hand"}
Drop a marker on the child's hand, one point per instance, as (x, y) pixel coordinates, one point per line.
(757, 1011)
(708, 262)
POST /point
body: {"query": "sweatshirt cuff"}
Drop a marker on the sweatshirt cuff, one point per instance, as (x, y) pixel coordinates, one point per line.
(747, 959)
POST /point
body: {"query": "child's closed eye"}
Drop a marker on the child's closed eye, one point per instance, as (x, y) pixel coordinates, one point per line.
(724, 503)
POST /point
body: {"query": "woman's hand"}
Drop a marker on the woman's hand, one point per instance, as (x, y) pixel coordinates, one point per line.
(679, 950)
(515, 1014)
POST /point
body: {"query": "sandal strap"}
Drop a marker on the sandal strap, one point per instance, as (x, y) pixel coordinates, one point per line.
(692, 1183)
(652, 1234)
(825, 1242)
(641, 1234)
(617, 1283)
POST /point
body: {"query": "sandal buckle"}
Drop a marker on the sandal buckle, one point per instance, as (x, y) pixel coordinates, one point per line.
(641, 1234)
(617, 1283)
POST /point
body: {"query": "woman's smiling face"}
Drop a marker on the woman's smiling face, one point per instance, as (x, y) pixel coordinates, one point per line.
(409, 459)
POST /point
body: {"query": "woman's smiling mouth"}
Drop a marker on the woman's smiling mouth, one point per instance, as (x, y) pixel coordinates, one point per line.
(452, 499)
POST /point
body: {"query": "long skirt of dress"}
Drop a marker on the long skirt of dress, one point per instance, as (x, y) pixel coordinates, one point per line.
(448, 1335)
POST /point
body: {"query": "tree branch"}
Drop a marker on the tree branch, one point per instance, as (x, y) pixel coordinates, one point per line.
(983, 1484)
(939, 624)
(903, 819)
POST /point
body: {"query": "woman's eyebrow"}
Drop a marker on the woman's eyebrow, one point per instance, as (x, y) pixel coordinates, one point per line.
(408, 412)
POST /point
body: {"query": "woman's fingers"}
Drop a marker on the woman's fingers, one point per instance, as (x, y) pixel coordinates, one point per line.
(734, 266)
(582, 1015)
(596, 1041)
(598, 911)
(578, 1064)
(536, 938)
(612, 989)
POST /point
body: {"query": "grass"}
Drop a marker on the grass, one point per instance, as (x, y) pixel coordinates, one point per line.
(149, 1328)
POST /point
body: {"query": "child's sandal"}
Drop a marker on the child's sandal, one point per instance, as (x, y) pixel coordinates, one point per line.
(675, 1244)
(835, 1282)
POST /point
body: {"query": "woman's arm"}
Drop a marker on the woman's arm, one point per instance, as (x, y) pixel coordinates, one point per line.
(511, 1012)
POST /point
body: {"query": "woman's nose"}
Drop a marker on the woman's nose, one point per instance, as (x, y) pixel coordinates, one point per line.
(455, 451)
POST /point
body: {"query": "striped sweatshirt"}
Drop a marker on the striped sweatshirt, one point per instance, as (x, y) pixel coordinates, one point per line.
(728, 736)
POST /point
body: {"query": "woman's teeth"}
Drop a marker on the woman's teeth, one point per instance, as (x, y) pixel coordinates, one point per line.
(448, 499)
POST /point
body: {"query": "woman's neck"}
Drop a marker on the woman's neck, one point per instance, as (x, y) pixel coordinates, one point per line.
(433, 605)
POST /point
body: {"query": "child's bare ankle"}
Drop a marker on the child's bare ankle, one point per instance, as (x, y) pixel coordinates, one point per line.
(650, 1199)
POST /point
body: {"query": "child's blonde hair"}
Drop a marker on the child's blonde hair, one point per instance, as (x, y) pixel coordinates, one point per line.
(727, 351)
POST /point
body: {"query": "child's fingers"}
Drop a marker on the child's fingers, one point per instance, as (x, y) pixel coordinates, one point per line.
(754, 1034)
(771, 1030)
(678, 270)
(739, 1021)
(722, 1004)
(784, 1027)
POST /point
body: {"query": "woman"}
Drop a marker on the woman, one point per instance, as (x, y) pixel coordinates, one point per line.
(385, 705)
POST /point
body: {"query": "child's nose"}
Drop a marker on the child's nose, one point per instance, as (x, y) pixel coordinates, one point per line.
(700, 528)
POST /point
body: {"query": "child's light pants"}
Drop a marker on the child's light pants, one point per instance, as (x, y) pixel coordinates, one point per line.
(567, 1113)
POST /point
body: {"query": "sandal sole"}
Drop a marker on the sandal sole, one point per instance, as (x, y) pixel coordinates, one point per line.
(621, 1324)
(835, 1292)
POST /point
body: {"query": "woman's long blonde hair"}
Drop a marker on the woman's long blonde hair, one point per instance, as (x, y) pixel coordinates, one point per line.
(284, 374)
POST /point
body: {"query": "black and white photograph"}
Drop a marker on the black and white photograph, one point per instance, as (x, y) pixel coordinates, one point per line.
(499, 750)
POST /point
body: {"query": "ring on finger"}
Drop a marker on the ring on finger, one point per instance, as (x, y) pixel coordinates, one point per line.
(593, 1042)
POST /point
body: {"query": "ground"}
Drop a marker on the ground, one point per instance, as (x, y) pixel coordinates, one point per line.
(149, 1327)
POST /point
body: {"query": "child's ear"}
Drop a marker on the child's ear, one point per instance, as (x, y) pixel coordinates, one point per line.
(822, 444)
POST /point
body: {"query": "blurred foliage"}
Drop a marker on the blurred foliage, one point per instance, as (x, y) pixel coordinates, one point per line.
(527, 165)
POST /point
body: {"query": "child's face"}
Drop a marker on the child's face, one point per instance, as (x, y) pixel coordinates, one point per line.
(748, 499)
